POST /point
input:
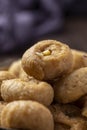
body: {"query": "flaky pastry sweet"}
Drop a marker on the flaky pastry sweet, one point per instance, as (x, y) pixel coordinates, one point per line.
(47, 60)
(28, 115)
(17, 89)
(72, 87)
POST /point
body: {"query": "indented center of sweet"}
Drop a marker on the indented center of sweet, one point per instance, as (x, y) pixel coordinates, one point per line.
(46, 52)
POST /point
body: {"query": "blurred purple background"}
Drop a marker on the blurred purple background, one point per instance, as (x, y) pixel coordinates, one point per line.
(24, 22)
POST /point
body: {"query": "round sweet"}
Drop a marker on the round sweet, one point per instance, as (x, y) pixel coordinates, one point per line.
(71, 87)
(47, 60)
(69, 115)
(17, 89)
(28, 115)
(79, 59)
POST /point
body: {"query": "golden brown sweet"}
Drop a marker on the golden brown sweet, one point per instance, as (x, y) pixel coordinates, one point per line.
(28, 115)
(17, 89)
(79, 59)
(47, 60)
(68, 115)
(72, 87)
(15, 68)
(4, 75)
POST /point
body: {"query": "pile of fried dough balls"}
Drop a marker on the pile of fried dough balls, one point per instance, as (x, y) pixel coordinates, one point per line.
(46, 89)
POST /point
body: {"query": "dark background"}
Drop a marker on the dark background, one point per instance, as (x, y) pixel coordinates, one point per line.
(25, 22)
